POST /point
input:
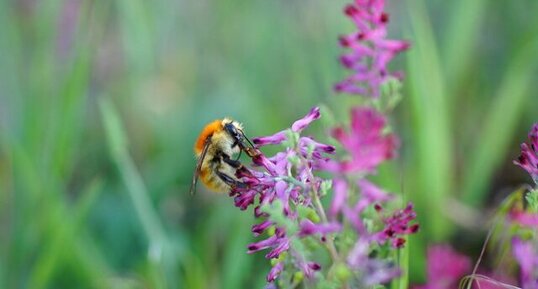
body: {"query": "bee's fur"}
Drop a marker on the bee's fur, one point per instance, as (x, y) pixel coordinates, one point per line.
(218, 142)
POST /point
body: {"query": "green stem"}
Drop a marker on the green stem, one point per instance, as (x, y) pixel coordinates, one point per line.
(329, 244)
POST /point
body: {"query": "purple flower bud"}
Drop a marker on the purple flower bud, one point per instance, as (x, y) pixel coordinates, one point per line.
(276, 138)
(307, 228)
(263, 244)
(245, 199)
(261, 160)
(284, 245)
(318, 147)
(275, 271)
(397, 225)
(261, 227)
(339, 199)
(258, 212)
(528, 160)
(314, 266)
(302, 123)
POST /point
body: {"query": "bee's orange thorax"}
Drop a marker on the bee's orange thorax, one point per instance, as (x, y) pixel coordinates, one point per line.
(209, 130)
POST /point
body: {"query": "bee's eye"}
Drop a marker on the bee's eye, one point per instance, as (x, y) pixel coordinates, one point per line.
(236, 133)
(233, 131)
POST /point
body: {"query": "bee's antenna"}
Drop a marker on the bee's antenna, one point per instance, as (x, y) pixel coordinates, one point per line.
(248, 140)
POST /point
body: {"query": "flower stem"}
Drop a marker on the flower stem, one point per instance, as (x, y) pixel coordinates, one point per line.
(321, 212)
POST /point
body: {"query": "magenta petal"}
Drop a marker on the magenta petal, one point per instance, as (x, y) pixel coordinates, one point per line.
(307, 142)
(261, 227)
(276, 138)
(371, 192)
(275, 271)
(307, 228)
(525, 219)
(446, 266)
(339, 198)
(527, 257)
(283, 246)
(528, 160)
(301, 124)
(243, 200)
(368, 145)
(264, 244)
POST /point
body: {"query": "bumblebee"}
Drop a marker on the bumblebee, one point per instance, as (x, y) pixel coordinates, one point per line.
(214, 148)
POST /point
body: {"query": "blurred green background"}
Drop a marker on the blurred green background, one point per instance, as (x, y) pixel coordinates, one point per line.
(101, 101)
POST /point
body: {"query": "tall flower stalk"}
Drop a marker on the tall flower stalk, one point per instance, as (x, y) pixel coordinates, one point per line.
(370, 49)
(350, 240)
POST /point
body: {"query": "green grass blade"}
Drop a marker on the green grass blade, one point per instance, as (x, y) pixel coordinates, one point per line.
(463, 28)
(64, 236)
(160, 249)
(431, 126)
(500, 123)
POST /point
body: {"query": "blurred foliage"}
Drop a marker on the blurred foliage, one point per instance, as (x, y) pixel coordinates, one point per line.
(101, 101)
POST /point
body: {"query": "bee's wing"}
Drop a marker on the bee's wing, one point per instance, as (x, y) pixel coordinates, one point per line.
(199, 166)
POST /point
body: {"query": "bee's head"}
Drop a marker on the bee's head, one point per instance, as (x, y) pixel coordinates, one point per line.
(234, 130)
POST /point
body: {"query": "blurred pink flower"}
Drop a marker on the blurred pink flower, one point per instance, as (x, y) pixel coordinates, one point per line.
(525, 219)
(526, 254)
(371, 51)
(366, 142)
(445, 268)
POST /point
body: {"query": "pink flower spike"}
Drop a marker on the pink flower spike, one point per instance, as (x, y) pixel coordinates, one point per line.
(528, 160)
(370, 47)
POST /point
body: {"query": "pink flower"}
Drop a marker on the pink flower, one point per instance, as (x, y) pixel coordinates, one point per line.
(307, 228)
(297, 126)
(278, 242)
(371, 51)
(366, 142)
(275, 271)
(445, 268)
(371, 194)
(288, 183)
(526, 254)
(528, 159)
(397, 225)
(525, 219)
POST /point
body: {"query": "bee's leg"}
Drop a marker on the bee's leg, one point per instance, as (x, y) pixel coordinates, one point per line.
(230, 181)
(233, 163)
